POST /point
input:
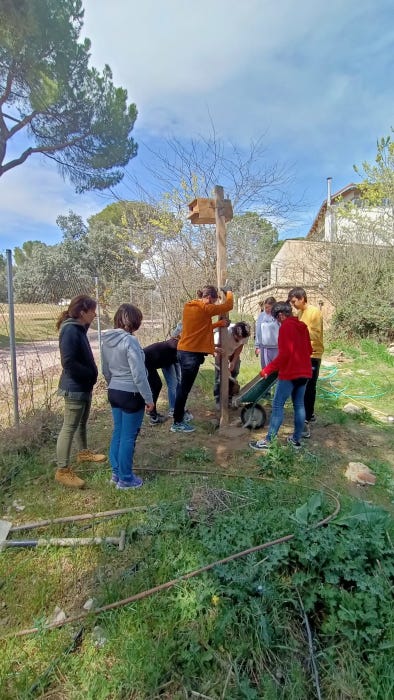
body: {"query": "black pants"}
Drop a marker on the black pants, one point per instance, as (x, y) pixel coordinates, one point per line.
(310, 391)
(190, 364)
(155, 384)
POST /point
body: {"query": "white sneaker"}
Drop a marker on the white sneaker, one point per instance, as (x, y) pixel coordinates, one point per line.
(259, 445)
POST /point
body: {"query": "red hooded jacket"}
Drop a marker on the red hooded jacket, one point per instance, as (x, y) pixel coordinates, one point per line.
(294, 357)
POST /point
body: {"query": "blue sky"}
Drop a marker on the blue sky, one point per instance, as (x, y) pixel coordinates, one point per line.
(314, 77)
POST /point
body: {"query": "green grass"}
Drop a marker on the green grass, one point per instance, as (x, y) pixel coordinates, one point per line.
(364, 378)
(37, 322)
(33, 322)
(238, 630)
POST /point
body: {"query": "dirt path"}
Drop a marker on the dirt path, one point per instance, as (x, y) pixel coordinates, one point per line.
(34, 359)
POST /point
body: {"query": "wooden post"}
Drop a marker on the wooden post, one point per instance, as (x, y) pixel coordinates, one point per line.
(221, 268)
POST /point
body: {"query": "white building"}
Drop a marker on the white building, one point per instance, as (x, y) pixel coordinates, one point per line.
(343, 218)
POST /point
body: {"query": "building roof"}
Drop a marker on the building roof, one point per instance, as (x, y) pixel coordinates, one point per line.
(352, 187)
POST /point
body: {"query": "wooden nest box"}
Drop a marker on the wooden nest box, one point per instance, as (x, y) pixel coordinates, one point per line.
(202, 210)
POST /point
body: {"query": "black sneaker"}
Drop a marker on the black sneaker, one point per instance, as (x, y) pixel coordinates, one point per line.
(294, 443)
(182, 428)
(312, 419)
(306, 433)
(158, 418)
(259, 445)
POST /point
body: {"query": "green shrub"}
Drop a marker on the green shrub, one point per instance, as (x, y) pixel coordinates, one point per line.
(365, 320)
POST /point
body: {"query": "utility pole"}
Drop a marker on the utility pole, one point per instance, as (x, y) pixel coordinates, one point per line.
(221, 269)
(217, 211)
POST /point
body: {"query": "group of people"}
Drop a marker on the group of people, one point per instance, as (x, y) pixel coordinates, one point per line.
(296, 358)
(132, 378)
(285, 343)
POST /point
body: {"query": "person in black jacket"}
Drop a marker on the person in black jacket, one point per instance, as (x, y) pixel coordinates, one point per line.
(76, 384)
(161, 355)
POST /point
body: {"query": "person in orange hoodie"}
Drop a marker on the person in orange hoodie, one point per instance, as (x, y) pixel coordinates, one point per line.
(195, 343)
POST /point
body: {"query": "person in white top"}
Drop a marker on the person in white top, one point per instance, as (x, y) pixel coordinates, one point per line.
(267, 331)
(238, 335)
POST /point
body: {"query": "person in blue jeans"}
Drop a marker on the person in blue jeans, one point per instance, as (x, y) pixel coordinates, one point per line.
(129, 392)
(294, 367)
(172, 376)
(163, 355)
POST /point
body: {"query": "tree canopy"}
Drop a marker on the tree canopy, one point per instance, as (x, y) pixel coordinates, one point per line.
(138, 225)
(363, 269)
(70, 112)
(252, 242)
(113, 246)
(377, 186)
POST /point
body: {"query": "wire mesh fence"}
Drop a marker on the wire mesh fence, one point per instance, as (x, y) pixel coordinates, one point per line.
(33, 294)
(29, 353)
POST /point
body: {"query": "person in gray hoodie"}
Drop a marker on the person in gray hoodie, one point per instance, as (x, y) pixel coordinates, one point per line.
(128, 392)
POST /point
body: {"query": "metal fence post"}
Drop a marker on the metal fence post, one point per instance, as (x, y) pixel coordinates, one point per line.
(11, 321)
(98, 321)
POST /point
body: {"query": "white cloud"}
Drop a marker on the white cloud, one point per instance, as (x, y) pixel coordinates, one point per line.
(31, 198)
(315, 76)
(251, 63)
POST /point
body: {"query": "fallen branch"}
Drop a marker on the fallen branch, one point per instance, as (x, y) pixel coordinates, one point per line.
(185, 577)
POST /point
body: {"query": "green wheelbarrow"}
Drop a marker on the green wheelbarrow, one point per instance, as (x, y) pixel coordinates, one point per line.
(253, 415)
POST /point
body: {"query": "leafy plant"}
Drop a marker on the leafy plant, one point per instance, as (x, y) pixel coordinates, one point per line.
(277, 461)
(200, 455)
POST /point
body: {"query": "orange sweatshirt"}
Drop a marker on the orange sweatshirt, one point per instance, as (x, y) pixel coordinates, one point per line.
(197, 335)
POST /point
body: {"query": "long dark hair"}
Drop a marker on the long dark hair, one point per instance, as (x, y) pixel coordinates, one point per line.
(128, 317)
(76, 306)
(208, 290)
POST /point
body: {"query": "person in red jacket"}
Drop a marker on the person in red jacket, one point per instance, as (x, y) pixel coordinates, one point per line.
(294, 367)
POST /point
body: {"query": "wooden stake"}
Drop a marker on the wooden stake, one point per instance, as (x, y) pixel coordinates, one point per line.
(221, 268)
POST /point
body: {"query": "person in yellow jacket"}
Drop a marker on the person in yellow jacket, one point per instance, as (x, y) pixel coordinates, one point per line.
(195, 343)
(313, 318)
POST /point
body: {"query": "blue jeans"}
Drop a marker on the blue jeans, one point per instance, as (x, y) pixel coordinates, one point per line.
(124, 436)
(172, 378)
(190, 364)
(284, 389)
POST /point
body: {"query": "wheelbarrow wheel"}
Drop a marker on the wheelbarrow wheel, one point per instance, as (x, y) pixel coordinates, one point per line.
(253, 416)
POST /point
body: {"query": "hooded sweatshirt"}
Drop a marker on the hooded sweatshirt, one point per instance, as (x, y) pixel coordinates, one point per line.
(295, 349)
(267, 329)
(124, 363)
(79, 373)
(197, 333)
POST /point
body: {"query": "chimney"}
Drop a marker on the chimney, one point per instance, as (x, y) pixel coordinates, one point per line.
(329, 183)
(328, 223)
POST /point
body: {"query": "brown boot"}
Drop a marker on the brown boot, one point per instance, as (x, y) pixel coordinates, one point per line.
(67, 477)
(89, 456)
